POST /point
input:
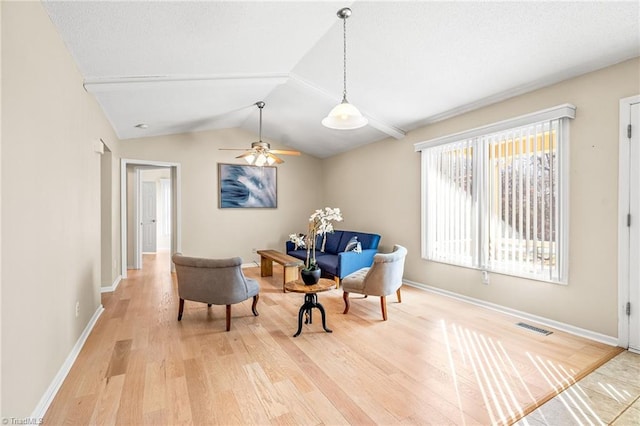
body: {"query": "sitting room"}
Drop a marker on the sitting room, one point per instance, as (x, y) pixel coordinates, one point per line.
(478, 161)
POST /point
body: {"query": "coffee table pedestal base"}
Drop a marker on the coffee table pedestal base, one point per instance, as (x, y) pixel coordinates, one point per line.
(310, 302)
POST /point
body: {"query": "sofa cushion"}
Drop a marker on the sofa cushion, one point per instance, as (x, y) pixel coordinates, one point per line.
(333, 242)
(328, 263)
(302, 254)
(368, 241)
(299, 254)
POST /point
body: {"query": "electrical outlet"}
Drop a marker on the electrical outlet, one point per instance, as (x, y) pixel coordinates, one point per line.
(254, 250)
(485, 277)
(77, 309)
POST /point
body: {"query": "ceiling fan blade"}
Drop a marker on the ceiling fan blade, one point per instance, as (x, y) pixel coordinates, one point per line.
(246, 154)
(284, 152)
(277, 160)
(232, 149)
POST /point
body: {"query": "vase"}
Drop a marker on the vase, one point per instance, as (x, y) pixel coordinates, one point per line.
(310, 277)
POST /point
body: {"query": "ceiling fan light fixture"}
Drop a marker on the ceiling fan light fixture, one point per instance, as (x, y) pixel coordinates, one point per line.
(250, 158)
(344, 116)
(261, 159)
(260, 152)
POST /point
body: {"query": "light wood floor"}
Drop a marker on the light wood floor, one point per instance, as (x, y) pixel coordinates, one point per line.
(435, 361)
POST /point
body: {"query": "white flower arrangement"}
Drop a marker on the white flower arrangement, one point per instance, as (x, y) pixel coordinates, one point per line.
(298, 240)
(320, 223)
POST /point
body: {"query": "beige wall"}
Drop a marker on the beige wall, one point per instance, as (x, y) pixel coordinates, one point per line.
(378, 188)
(210, 231)
(50, 218)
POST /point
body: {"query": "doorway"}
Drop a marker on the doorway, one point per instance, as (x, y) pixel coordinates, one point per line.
(148, 221)
(629, 226)
(155, 205)
(150, 210)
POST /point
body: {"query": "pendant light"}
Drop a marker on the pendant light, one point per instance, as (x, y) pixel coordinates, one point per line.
(344, 116)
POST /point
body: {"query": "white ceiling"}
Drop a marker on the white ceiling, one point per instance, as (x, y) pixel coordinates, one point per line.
(192, 66)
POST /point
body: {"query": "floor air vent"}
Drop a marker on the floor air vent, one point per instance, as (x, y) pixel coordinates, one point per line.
(532, 328)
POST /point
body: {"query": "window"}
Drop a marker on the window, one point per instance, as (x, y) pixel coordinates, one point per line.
(495, 197)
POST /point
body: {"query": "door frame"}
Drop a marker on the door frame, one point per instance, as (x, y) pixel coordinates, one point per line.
(176, 228)
(624, 186)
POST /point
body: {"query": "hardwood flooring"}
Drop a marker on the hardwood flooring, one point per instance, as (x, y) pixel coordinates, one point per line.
(435, 361)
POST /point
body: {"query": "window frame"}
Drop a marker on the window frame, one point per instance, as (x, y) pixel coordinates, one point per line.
(563, 113)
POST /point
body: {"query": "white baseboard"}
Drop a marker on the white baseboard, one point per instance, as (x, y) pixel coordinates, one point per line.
(587, 334)
(113, 286)
(53, 388)
(250, 265)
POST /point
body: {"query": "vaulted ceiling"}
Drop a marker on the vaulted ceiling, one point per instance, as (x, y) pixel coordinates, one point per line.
(192, 66)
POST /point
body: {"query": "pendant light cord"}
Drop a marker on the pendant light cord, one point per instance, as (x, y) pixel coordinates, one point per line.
(344, 62)
(260, 122)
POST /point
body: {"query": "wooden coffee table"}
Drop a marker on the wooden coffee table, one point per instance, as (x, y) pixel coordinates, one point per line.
(310, 300)
(289, 263)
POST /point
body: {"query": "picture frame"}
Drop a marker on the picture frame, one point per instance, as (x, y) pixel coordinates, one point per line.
(242, 186)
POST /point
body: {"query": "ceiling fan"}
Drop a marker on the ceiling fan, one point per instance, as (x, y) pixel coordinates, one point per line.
(260, 152)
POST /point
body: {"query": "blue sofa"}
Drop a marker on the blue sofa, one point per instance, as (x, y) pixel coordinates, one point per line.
(334, 260)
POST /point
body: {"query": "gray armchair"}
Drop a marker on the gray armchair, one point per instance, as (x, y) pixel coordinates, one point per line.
(382, 279)
(214, 281)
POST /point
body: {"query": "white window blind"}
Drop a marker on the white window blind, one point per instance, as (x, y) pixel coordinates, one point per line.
(452, 214)
(498, 200)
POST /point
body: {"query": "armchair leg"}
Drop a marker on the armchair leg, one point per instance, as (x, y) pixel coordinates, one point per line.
(337, 280)
(255, 302)
(383, 305)
(180, 309)
(399, 296)
(208, 305)
(345, 296)
(228, 317)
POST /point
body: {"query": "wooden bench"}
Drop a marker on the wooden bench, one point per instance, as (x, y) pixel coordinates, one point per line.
(289, 263)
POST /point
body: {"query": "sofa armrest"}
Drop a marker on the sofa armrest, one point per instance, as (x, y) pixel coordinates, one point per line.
(350, 261)
(290, 246)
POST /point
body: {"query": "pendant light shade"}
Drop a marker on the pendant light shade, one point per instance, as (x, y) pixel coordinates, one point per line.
(344, 116)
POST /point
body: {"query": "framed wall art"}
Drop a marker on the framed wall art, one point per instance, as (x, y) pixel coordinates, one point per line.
(244, 186)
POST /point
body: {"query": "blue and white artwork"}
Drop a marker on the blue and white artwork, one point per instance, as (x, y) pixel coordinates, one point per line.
(247, 186)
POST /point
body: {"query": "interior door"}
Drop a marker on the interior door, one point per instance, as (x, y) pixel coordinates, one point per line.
(148, 221)
(634, 237)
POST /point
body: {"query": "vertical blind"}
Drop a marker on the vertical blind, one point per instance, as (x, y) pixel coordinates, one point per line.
(452, 213)
(523, 194)
(497, 201)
